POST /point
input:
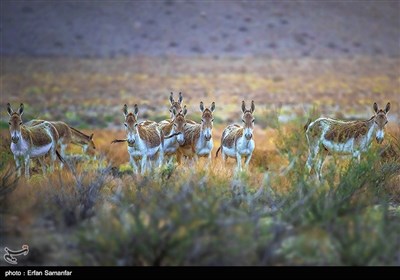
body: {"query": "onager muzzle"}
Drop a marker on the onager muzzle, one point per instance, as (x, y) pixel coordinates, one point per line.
(248, 136)
(15, 139)
(131, 142)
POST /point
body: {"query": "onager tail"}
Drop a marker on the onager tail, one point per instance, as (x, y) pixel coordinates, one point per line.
(61, 158)
(216, 154)
(307, 124)
(172, 135)
(118, 141)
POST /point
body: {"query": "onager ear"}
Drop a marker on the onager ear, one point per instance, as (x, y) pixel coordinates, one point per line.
(243, 106)
(21, 109)
(252, 106)
(387, 108)
(375, 107)
(136, 110)
(171, 98)
(201, 106)
(180, 98)
(212, 107)
(9, 109)
(125, 110)
(184, 111)
(91, 136)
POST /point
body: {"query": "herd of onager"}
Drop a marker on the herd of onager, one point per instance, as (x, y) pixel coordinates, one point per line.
(151, 143)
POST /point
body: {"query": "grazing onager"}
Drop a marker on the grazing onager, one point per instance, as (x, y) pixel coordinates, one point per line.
(237, 141)
(198, 137)
(31, 142)
(69, 135)
(326, 135)
(145, 139)
(173, 132)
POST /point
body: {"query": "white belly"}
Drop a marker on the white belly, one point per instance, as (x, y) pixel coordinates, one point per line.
(133, 151)
(230, 152)
(341, 148)
(40, 151)
(205, 149)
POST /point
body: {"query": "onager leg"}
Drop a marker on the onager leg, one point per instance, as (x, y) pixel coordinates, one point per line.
(63, 147)
(18, 165)
(143, 164)
(27, 165)
(247, 161)
(239, 161)
(223, 155)
(313, 153)
(208, 162)
(160, 158)
(357, 155)
(133, 164)
(53, 157)
(42, 163)
(319, 164)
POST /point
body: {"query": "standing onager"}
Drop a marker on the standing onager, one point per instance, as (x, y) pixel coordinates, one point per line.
(237, 141)
(145, 139)
(198, 137)
(31, 142)
(69, 135)
(173, 132)
(343, 137)
(177, 105)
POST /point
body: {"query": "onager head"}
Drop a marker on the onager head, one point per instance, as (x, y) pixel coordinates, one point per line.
(177, 105)
(130, 124)
(248, 120)
(207, 120)
(179, 124)
(89, 146)
(380, 120)
(15, 122)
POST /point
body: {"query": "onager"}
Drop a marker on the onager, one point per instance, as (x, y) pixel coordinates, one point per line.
(176, 107)
(174, 132)
(145, 140)
(326, 135)
(69, 135)
(198, 137)
(31, 142)
(237, 141)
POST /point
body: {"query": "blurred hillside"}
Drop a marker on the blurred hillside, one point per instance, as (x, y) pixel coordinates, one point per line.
(276, 29)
